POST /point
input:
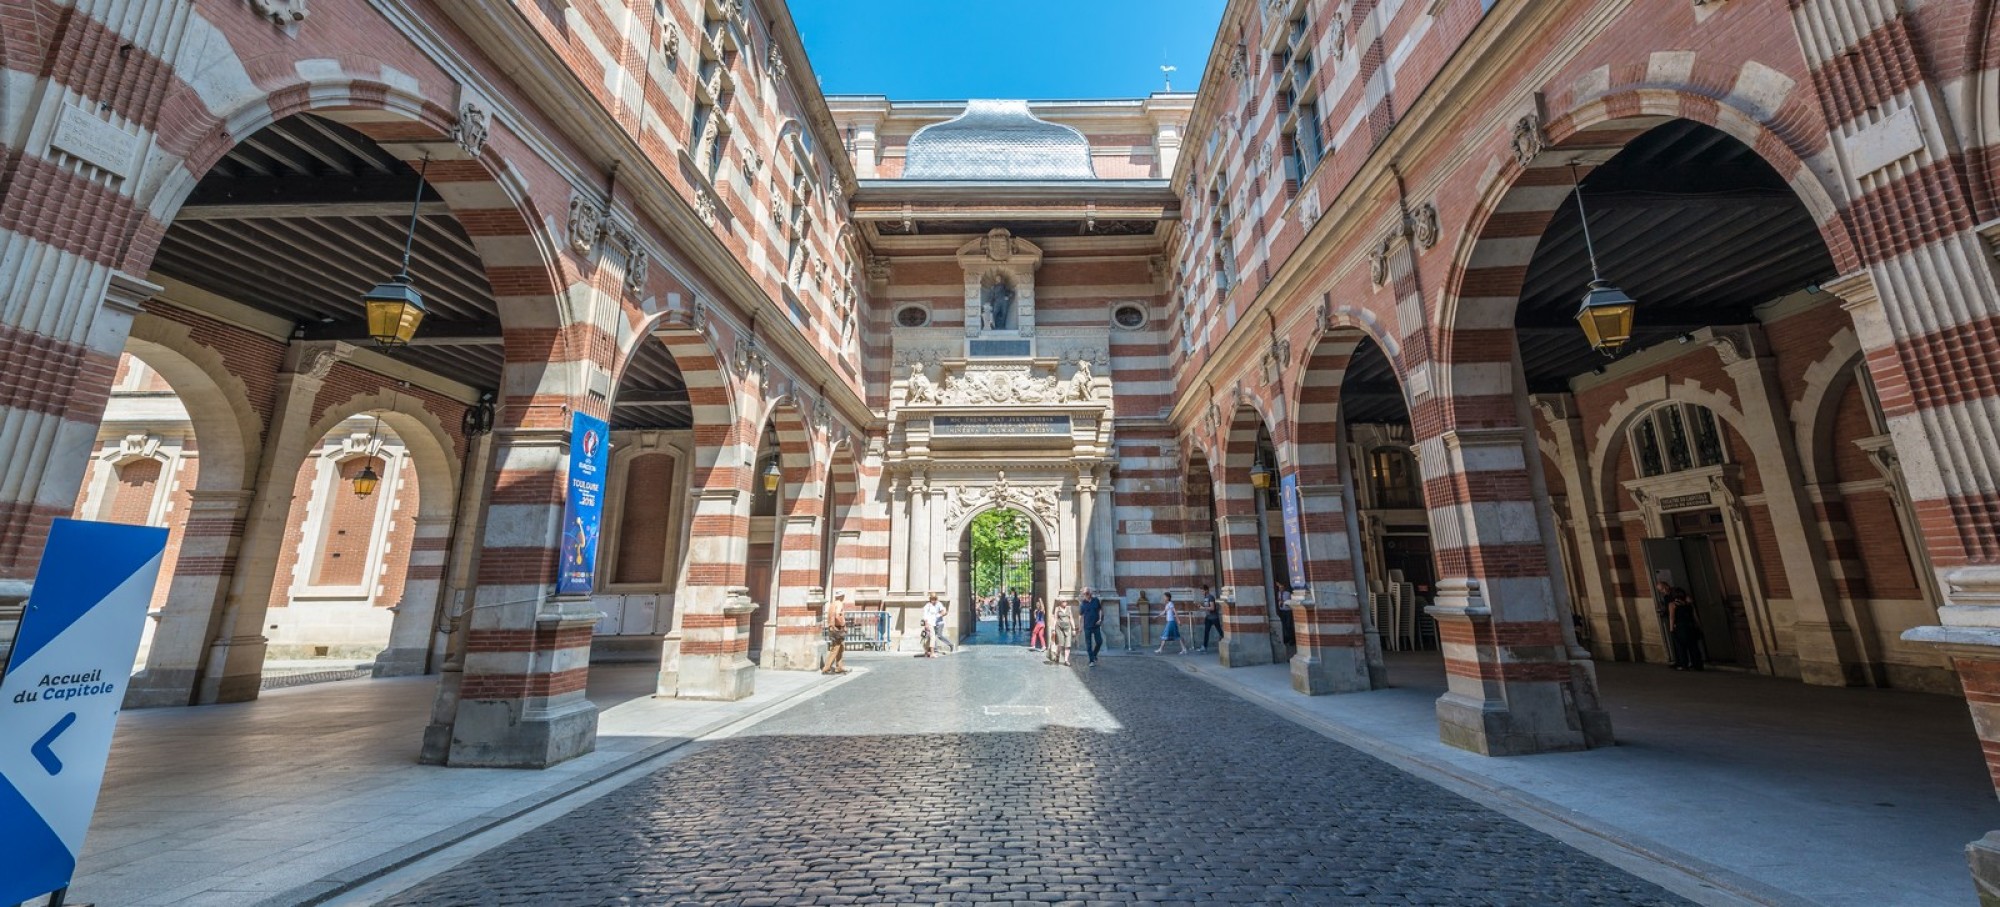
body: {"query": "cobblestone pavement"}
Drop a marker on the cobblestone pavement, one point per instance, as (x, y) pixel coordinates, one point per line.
(990, 777)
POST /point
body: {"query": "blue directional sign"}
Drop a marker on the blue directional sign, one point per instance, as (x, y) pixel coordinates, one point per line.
(60, 697)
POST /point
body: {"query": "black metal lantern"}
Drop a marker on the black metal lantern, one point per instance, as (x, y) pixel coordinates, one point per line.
(478, 418)
(395, 308)
(364, 482)
(772, 476)
(1607, 312)
(1260, 475)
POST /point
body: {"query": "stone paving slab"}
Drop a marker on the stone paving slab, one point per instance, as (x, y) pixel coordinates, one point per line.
(306, 790)
(1780, 791)
(934, 781)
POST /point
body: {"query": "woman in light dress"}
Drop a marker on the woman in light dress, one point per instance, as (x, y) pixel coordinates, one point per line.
(1062, 635)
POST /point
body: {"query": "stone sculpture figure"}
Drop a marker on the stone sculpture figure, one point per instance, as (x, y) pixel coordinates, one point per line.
(998, 304)
(1079, 384)
(921, 389)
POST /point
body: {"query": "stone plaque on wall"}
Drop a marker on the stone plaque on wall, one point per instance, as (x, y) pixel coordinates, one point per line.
(1000, 425)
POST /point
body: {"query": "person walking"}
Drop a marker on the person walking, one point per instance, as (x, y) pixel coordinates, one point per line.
(1211, 617)
(1092, 612)
(836, 635)
(1663, 603)
(1038, 637)
(933, 621)
(1062, 637)
(1686, 630)
(944, 639)
(1173, 631)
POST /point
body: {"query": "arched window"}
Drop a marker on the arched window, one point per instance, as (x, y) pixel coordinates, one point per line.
(1674, 437)
(350, 527)
(1392, 477)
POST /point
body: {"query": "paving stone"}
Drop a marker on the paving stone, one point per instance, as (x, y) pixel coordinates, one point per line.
(1140, 785)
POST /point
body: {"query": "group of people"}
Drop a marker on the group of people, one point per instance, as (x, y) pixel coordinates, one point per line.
(1052, 631)
(1211, 622)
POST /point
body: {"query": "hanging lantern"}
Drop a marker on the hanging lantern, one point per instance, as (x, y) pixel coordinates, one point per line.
(1606, 317)
(366, 480)
(1260, 476)
(772, 476)
(1607, 312)
(394, 310)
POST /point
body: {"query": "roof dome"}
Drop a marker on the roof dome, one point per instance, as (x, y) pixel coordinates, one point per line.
(998, 140)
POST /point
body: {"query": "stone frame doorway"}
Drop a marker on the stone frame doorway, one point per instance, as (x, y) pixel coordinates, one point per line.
(1040, 572)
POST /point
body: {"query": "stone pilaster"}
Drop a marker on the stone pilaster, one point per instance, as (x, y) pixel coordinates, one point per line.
(1245, 621)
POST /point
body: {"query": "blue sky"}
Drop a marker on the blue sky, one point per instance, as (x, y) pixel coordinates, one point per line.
(917, 50)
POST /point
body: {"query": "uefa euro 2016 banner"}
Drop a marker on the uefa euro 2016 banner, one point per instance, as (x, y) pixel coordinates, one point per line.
(60, 697)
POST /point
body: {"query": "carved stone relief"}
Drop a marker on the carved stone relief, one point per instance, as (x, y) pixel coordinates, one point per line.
(283, 12)
(1037, 499)
(472, 128)
(585, 219)
(1529, 140)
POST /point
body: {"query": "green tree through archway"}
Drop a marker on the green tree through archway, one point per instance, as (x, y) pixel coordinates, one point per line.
(1000, 551)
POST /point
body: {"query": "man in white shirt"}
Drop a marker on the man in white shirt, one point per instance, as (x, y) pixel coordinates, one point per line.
(933, 625)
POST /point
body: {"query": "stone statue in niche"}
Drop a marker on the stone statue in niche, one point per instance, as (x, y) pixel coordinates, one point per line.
(996, 302)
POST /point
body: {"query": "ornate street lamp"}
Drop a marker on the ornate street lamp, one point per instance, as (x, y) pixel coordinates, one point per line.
(394, 307)
(365, 481)
(1607, 312)
(772, 476)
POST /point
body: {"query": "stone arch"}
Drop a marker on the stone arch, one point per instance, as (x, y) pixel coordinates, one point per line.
(964, 522)
(431, 448)
(1491, 258)
(1827, 381)
(1983, 55)
(228, 432)
(1643, 399)
(490, 197)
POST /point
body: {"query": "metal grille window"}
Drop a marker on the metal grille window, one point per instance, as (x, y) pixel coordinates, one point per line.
(1676, 437)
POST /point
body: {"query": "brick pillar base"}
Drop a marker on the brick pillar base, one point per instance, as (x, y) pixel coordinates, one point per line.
(520, 701)
(801, 645)
(1514, 689)
(1248, 639)
(712, 660)
(1332, 655)
(1975, 651)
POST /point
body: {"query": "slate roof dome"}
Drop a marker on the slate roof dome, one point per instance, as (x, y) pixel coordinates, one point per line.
(998, 140)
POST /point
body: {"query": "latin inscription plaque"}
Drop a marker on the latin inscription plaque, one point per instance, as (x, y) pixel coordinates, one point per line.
(1057, 425)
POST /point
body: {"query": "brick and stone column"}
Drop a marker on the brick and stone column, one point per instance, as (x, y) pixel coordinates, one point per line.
(1514, 687)
(1925, 301)
(1334, 655)
(232, 666)
(800, 645)
(527, 651)
(409, 648)
(1246, 623)
(210, 540)
(710, 658)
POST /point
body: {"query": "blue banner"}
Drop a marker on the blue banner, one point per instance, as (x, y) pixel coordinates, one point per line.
(1295, 531)
(60, 698)
(583, 505)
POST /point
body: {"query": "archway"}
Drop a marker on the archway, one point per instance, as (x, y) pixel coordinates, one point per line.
(1000, 549)
(1391, 513)
(283, 340)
